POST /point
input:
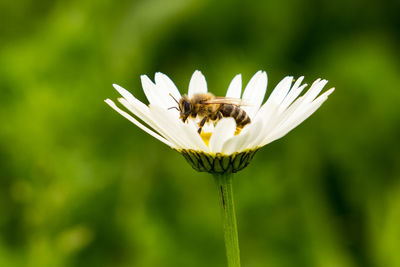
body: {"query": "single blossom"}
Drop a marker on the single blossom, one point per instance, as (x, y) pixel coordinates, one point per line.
(220, 147)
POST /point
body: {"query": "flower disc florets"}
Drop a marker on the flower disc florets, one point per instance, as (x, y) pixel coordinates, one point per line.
(217, 144)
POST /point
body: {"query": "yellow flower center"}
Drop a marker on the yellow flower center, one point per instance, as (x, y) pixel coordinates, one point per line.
(206, 137)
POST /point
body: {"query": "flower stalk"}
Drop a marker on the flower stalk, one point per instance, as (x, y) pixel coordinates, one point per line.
(226, 201)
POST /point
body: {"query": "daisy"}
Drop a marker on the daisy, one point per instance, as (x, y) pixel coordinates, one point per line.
(220, 148)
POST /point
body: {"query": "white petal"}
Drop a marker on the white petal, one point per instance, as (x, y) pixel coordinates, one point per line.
(293, 94)
(276, 97)
(292, 109)
(159, 94)
(143, 113)
(169, 92)
(131, 99)
(170, 126)
(230, 146)
(198, 84)
(208, 128)
(302, 102)
(164, 81)
(188, 136)
(298, 82)
(299, 113)
(269, 116)
(255, 92)
(314, 90)
(274, 114)
(125, 93)
(281, 90)
(279, 119)
(299, 105)
(135, 106)
(235, 87)
(225, 129)
(192, 124)
(141, 126)
(298, 118)
(253, 134)
(150, 91)
(239, 142)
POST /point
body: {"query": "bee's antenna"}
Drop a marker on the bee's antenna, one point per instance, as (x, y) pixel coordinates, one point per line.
(174, 108)
(174, 98)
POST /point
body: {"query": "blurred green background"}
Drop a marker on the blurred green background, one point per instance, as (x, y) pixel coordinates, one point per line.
(82, 186)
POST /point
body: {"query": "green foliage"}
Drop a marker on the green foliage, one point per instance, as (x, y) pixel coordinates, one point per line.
(81, 186)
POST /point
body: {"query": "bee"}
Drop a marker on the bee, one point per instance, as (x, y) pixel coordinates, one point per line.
(211, 108)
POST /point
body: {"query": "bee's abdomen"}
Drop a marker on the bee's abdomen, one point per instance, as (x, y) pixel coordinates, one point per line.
(237, 113)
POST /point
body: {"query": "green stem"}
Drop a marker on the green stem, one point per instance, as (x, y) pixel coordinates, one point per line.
(225, 189)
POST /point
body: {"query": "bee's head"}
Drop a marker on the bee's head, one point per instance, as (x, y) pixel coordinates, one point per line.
(185, 107)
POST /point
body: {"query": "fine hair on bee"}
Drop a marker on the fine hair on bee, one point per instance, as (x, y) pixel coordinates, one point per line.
(210, 108)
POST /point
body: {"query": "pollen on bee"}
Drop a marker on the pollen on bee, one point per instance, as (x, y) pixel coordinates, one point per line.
(206, 136)
(238, 130)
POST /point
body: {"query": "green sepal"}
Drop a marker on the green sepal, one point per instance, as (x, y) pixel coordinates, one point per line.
(218, 163)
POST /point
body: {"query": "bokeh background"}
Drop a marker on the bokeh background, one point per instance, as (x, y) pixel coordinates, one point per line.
(82, 186)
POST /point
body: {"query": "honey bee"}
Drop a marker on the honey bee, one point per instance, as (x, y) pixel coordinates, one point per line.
(211, 108)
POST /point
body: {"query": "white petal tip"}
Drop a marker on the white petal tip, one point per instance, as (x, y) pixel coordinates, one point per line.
(125, 93)
(145, 78)
(110, 103)
(116, 86)
(316, 81)
(260, 74)
(198, 74)
(237, 77)
(330, 91)
(197, 84)
(323, 81)
(288, 79)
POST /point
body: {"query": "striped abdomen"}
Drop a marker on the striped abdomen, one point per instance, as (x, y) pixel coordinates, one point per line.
(240, 116)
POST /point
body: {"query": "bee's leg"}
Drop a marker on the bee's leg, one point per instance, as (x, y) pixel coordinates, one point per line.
(201, 124)
(219, 115)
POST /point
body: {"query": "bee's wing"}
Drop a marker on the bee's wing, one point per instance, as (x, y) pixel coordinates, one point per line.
(227, 100)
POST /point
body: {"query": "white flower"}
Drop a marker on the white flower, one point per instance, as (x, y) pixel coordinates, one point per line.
(283, 111)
